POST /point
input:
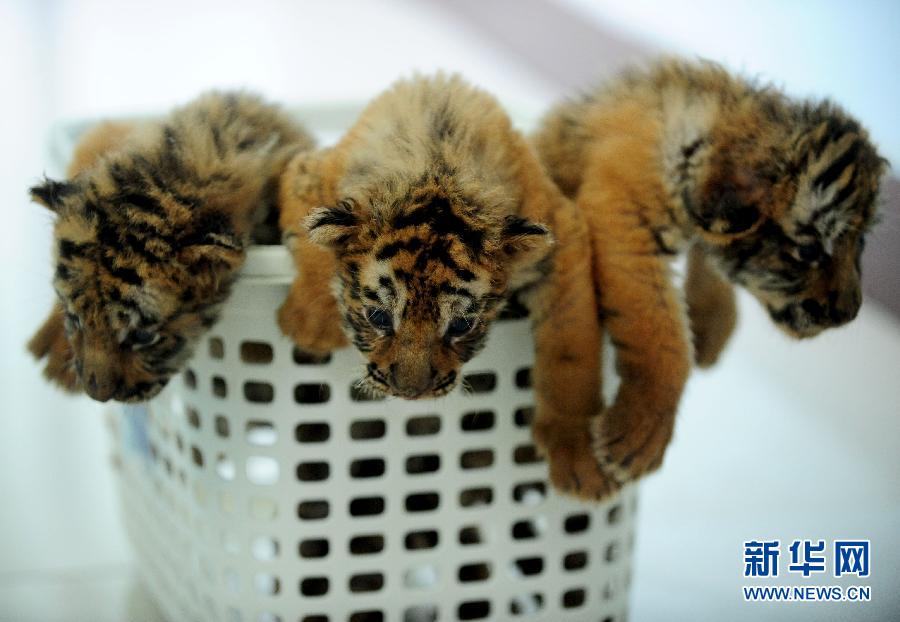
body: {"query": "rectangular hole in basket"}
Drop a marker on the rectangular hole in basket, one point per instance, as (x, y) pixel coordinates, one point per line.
(530, 493)
(225, 467)
(372, 615)
(266, 584)
(312, 393)
(614, 515)
(262, 470)
(471, 573)
(576, 560)
(476, 459)
(367, 544)
(474, 610)
(530, 566)
(256, 352)
(264, 548)
(420, 540)
(527, 604)
(312, 510)
(523, 417)
(232, 580)
(216, 348)
(525, 530)
(474, 497)
(523, 378)
(367, 429)
(308, 358)
(483, 382)
(477, 421)
(613, 551)
(197, 456)
(190, 379)
(262, 433)
(258, 392)
(262, 508)
(366, 582)
(421, 576)
(193, 418)
(366, 506)
(317, 432)
(577, 523)
(423, 425)
(367, 467)
(314, 586)
(316, 471)
(572, 599)
(220, 423)
(313, 548)
(471, 535)
(527, 454)
(422, 502)
(219, 388)
(315, 618)
(421, 613)
(423, 463)
(359, 393)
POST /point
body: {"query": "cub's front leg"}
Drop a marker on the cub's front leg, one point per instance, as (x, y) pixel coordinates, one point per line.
(645, 320)
(50, 342)
(711, 308)
(309, 314)
(566, 371)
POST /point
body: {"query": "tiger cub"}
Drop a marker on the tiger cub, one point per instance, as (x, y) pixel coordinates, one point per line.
(767, 193)
(425, 217)
(151, 228)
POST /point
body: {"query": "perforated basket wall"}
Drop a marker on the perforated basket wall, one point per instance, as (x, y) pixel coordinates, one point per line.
(260, 487)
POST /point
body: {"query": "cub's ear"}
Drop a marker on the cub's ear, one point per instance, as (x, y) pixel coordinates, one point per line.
(730, 206)
(525, 242)
(333, 227)
(727, 212)
(215, 251)
(51, 193)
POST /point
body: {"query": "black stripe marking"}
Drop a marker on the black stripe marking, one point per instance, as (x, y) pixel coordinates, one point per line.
(69, 249)
(440, 217)
(390, 250)
(340, 216)
(834, 170)
(143, 203)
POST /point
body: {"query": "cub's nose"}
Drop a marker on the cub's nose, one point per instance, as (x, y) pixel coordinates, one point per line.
(844, 306)
(101, 389)
(412, 381)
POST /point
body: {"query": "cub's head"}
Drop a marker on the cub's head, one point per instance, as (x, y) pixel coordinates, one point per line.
(139, 278)
(419, 284)
(792, 229)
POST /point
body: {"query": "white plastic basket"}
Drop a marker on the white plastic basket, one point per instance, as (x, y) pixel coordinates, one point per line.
(260, 487)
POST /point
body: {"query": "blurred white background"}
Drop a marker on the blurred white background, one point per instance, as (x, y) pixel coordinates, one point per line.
(783, 440)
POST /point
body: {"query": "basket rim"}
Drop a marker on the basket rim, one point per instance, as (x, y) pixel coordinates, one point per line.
(268, 261)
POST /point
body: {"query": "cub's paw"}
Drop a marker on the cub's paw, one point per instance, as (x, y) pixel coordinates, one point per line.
(51, 344)
(573, 466)
(629, 447)
(313, 325)
(710, 338)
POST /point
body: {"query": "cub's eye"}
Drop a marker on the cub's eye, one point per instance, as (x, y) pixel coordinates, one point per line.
(141, 338)
(72, 323)
(808, 253)
(458, 327)
(380, 319)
